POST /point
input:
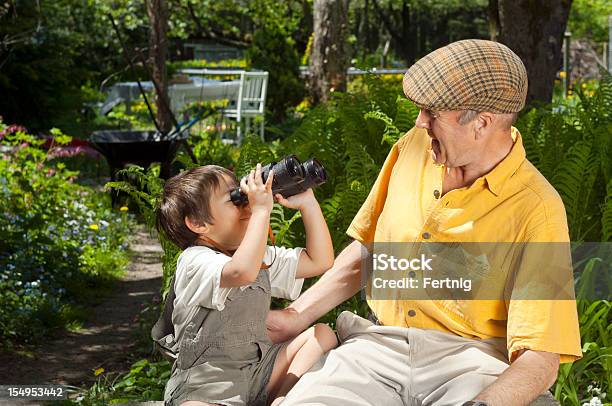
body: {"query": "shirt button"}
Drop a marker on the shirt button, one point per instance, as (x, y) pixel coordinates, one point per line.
(411, 313)
(412, 274)
(437, 194)
(426, 235)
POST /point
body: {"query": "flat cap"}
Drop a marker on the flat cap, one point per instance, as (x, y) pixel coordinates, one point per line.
(470, 74)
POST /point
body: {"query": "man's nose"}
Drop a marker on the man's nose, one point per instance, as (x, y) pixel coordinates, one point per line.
(422, 120)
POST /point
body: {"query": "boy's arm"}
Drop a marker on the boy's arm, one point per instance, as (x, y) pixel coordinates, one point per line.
(245, 264)
(318, 256)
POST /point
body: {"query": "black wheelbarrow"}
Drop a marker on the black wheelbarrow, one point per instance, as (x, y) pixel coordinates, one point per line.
(137, 147)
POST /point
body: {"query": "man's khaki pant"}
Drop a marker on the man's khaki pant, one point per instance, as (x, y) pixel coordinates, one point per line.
(393, 366)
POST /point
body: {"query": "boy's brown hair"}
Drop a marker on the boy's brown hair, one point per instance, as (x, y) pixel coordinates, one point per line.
(188, 195)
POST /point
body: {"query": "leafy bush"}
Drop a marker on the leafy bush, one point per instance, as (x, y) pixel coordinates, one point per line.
(145, 381)
(274, 51)
(174, 66)
(58, 240)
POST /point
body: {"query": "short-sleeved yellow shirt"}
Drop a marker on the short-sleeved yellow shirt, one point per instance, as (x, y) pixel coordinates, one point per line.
(511, 203)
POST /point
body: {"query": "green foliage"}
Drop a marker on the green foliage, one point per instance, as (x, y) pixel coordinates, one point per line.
(59, 241)
(144, 382)
(144, 188)
(209, 148)
(273, 51)
(571, 146)
(415, 27)
(589, 19)
(174, 66)
(595, 368)
(50, 49)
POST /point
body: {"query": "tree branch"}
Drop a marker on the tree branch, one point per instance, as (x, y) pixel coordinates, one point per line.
(195, 19)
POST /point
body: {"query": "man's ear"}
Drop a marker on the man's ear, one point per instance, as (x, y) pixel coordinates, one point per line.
(195, 227)
(483, 123)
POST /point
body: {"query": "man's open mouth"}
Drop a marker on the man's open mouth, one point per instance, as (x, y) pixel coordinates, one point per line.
(435, 146)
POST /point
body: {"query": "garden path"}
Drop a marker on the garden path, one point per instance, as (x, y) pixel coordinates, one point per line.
(106, 340)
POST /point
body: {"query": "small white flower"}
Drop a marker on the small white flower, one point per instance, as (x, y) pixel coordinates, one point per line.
(595, 401)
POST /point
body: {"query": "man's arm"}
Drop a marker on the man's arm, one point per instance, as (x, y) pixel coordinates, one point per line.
(533, 373)
(338, 284)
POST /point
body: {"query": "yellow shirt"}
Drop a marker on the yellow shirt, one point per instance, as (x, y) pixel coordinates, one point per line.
(512, 203)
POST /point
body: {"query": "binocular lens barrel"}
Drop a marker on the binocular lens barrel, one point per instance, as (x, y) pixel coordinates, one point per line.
(288, 170)
(290, 178)
(315, 172)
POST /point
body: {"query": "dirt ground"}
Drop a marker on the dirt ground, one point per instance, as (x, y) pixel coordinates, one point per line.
(106, 339)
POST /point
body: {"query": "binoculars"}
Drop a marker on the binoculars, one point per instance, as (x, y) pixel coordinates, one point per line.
(290, 178)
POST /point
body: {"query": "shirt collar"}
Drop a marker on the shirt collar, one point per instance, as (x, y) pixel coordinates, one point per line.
(497, 177)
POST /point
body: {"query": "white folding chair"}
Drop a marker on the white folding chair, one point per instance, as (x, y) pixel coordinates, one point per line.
(250, 102)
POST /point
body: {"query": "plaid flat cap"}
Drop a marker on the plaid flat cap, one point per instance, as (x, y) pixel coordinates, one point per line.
(470, 74)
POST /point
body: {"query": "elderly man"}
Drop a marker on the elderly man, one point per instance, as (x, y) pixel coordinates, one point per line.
(459, 175)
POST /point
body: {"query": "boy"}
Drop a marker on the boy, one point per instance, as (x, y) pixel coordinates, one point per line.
(223, 283)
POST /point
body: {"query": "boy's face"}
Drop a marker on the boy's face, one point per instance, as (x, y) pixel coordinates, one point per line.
(229, 221)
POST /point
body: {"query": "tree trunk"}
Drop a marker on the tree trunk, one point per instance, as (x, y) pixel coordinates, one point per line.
(405, 38)
(493, 13)
(157, 11)
(329, 58)
(534, 30)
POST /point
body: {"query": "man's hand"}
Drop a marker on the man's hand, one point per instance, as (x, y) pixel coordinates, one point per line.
(282, 325)
(341, 282)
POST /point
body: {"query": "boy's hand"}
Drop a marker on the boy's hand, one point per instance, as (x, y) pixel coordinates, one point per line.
(299, 201)
(260, 194)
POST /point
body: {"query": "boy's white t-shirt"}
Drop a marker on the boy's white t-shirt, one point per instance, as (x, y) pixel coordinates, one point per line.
(198, 278)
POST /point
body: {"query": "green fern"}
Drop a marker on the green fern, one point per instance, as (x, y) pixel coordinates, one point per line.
(143, 187)
(391, 133)
(406, 115)
(253, 151)
(574, 181)
(606, 215)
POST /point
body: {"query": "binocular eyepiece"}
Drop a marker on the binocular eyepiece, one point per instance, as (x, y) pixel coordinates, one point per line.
(290, 178)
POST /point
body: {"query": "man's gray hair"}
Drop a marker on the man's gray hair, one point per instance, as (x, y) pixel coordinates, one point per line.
(467, 116)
